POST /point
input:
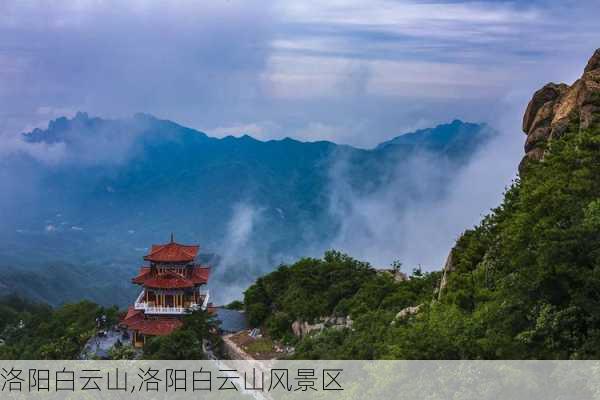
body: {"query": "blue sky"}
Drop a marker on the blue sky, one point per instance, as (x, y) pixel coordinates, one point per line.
(356, 72)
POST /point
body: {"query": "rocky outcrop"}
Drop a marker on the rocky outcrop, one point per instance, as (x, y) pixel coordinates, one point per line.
(397, 275)
(303, 328)
(593, 63)
(407, 312)
(555, 106)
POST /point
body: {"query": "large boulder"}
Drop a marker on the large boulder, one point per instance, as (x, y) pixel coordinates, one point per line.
(546, 96)
(555, 106)
(407, 312)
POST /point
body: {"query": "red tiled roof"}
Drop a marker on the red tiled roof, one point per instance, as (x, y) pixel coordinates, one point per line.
(156, 326)
(172, 252)
(142, 276)
(132, 316)
(171, 280)
(200, 275)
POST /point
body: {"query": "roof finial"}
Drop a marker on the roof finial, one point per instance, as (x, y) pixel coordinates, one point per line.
(172, 240)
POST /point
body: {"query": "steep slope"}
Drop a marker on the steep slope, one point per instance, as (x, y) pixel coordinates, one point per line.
(527, 279)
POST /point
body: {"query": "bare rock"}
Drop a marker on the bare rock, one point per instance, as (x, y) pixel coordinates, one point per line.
(568, 103)
(555, 107)
(303, 328)
(548, 93)
(448, 268)
(398, 276)
(544, 116)
(536, 137)
(535, 154)
(407, 312)
(296, 328)
(594, 62)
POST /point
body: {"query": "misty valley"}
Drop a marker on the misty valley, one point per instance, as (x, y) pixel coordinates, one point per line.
(88, 195)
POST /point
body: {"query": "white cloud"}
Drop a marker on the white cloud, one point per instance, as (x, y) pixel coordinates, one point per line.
(423, 227)
(48, 153)
(397, 12)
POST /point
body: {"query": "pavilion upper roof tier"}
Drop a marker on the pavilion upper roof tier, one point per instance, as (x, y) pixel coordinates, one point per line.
(172, 253)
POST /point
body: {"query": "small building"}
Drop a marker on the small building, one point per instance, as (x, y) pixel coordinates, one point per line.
(173, 285)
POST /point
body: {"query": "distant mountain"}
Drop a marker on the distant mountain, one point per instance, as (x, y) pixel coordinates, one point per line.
(89, 195)
(456, 134)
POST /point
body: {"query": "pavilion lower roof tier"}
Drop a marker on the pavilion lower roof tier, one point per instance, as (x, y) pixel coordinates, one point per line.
(172, 280)
(155, 326)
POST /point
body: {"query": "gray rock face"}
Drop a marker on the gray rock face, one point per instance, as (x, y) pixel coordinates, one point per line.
(555, 106)
(594, 62)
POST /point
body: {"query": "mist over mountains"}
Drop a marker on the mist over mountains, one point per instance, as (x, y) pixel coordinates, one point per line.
(84, 198)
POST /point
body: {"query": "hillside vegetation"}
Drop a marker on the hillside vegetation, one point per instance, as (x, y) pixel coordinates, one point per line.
(336, 285)
(525, 282)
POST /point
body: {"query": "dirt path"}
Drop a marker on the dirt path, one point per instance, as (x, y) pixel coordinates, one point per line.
(234, 351)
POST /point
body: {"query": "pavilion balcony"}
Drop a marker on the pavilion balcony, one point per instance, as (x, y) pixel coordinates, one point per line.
(153, 308)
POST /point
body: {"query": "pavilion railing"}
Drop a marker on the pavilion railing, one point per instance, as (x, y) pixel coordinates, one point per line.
(165, 310)
(140, 304)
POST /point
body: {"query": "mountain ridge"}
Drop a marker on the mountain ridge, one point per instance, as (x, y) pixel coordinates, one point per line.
(38, 135)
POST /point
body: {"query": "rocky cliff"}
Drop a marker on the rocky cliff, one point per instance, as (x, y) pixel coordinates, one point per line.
(555, 106)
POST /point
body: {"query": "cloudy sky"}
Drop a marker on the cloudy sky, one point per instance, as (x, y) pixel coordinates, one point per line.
(355, 72)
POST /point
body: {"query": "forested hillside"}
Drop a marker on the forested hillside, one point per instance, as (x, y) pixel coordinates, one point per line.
(36, 331)
(334, 287)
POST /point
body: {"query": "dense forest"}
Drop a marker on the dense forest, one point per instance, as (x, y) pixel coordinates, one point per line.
(524, 283)
(36, 331)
